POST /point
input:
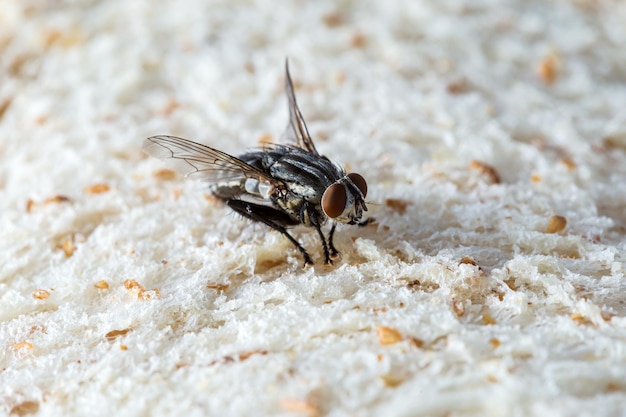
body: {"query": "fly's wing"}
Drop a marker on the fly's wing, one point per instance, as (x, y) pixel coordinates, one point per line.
(202, 162)
(296, 131)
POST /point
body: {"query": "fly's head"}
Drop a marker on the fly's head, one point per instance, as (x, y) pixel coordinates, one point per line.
(344, 200)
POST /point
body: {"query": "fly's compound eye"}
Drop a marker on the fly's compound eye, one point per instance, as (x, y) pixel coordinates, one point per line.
(359, 181)
(334, 200)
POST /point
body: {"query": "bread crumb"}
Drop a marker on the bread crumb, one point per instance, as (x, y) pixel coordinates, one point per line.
(387, 335)
(556, 224)
(149, 294)
(114, 334)
(68, 246)
(548, 68)
(294, 405)
(358, 40)
(536, 178)
(30, 204)
(25, 408)
(165, 174)
(468, 260)
(486, 170)
(488, 319)
(569, 164)
(132, 285)
(494, 342)
(265, 139)
(4, 105)
(101, 285)
(217, 287)
(418, 343)
(97, 188)
(169, 107)
(41, 294)
(333, 19)
(245, 355)
(579, 318)
(23, 345)
(391, 381)
(397, 205)
(57, 199)
(457, 87)
(123, 347)
(459, 308)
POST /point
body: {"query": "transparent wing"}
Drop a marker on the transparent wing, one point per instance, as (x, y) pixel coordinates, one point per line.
(204, 163)
(297, 131)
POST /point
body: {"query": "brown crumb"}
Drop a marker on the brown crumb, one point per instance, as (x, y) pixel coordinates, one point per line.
(25, 408)
(101, 285)
(556, 224)
(459, 308)
(486, 170)
(606, 316)
(468, 260)
(4, 105)
(358, 40)
(418, 343)
(536, 178)
(388, 335)
(245, 355)
(23, 345)
(494, 342)
(114, 334)
(511, 284)
(149, 294)
(265, 139)
(457, 87)
(294, 405)
(169, 107)
(397, 205)
(391, 381)
(132, 285)
(41, 294)
(41, 119)
(217, 287)
(333, 19)
(68, 246)
(165, 174)
(579, 318)
(569, 164)
(548, 68)
(57, 199)
(29, 205)
(97, 188)
(123, 347)
(488, 319)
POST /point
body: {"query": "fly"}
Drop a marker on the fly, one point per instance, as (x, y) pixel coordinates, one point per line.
(279, 185)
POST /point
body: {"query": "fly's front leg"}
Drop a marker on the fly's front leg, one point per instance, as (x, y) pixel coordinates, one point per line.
(307, 213)
(334, 253)
(271, 217)
(327, 259)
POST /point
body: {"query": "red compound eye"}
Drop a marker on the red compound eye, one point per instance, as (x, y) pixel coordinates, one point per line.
(334, 200)
(359, 181)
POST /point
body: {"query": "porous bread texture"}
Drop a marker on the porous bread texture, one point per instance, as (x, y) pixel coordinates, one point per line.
(493, 140)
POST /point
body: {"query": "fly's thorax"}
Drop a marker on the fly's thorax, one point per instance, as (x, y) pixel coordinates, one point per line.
(344, 200)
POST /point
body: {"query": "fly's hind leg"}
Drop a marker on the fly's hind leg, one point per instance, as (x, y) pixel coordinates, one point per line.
(271, 217)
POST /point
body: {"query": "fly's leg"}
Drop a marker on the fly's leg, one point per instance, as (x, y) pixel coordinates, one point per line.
(334, 253)
(327, 259)
(271, 217)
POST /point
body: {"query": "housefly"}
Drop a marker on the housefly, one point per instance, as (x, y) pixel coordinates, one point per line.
(279, 185)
